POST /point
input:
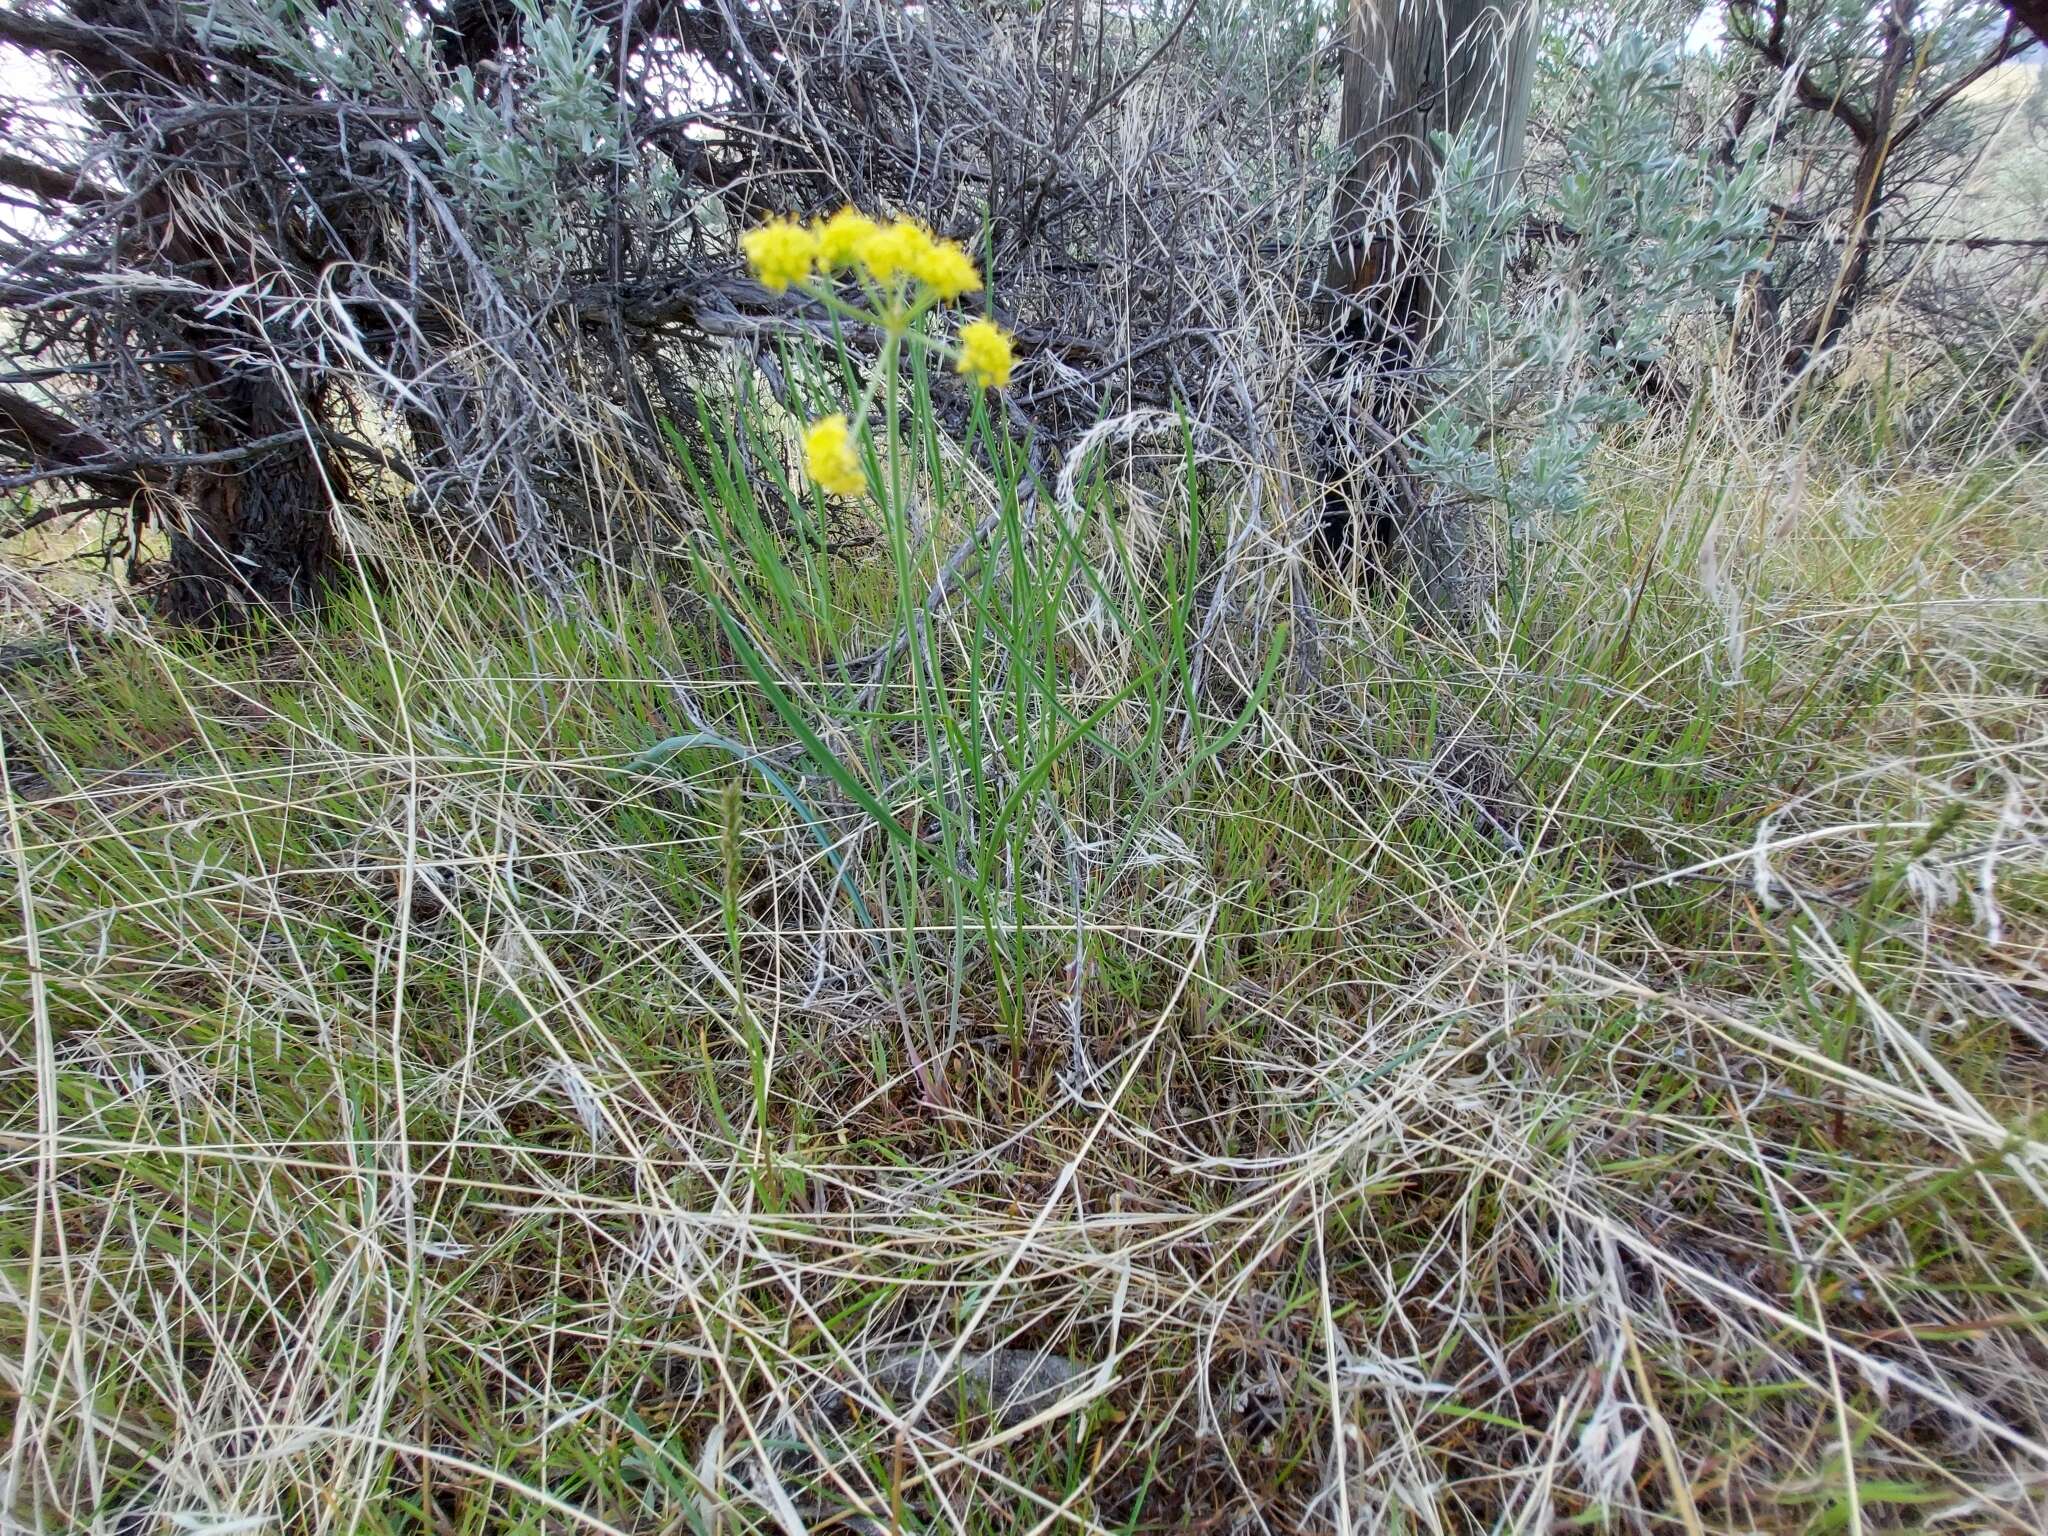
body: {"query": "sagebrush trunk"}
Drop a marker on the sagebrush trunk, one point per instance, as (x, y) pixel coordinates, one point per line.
(250, 534)
(1876, 135)
(1844, 298)
(1412, 70)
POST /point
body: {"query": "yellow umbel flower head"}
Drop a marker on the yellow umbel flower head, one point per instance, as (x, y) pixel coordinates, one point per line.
(946, 269)
(895, 249)
(780, 252)
(831, 459)
(986, 355)
(841, 237)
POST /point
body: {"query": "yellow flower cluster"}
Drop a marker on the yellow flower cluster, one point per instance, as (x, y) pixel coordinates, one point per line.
(832, 459)
(841, 237)
(780, 252)
(783, 253)
(986, 354)
(907, 269)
